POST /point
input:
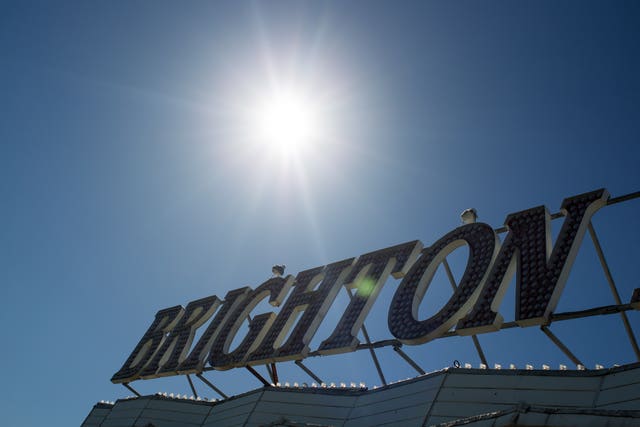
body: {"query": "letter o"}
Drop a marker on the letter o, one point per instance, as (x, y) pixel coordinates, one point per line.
(403, 311)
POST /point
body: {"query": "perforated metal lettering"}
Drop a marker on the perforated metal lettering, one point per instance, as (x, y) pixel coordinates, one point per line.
(220, 358)
(368, 275)
(149, 344)
(403, 311)
(313, 304)
(541, 272)
(176, 347)
(196, 359)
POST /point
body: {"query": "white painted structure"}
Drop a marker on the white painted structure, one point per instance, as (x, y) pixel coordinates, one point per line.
(470, 397)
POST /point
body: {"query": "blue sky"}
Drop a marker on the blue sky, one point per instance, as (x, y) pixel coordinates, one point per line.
(127, 185)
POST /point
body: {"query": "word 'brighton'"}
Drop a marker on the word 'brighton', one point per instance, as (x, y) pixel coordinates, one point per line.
(541, 272)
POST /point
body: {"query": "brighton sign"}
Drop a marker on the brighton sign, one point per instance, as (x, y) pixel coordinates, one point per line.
(541, 270)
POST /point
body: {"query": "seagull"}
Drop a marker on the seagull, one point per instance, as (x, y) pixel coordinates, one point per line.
(469, 216)
(278, 270)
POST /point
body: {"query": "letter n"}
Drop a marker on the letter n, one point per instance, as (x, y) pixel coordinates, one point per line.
(542, 270)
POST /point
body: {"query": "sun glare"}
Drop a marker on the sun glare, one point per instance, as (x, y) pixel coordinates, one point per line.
(286, 122)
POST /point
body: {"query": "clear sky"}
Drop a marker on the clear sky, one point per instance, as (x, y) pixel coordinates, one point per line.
(130, 181)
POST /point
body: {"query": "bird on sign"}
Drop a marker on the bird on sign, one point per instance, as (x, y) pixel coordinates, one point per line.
(278, 270)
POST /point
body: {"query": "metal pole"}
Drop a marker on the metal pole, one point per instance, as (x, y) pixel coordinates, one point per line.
(611, 201)
(409, 360)
(214, 388)
(619, 199)
(476, 342)
(258, 376)
(270, 372)
(132, 389)
(193, 389)
(560, 345)
(614, 290)
(373, 355)
(371, 350)
(596, 311)
(274, 373)
(308, 371)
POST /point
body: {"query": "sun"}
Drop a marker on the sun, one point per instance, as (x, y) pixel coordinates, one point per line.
(286, 121)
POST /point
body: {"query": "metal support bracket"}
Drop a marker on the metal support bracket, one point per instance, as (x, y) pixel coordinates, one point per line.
(193, 389)
(270, 372)
(614, 290)
(560, 345)
(258, 376)
(214, 388)
(308, 371)
(454, 285)
(131, 389)
(371, 350)
(273, 373)
(409, 360)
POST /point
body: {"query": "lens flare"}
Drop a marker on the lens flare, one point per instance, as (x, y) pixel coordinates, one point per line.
(365, 286)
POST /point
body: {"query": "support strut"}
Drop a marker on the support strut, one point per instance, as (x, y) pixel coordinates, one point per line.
(131, 389)
(614, 290)
(371, 350)
(258, 376)
(561, 345)
(409, 360)
(214, 388)
(476, 342)
(308, 371)
(193, 389)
